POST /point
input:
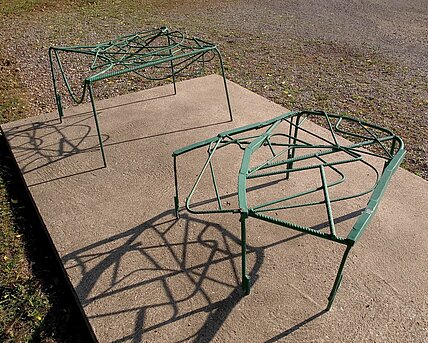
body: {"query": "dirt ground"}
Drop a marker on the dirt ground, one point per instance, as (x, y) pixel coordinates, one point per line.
(396, 29)
(366, 58)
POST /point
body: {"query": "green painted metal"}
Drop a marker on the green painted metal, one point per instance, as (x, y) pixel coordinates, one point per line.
(306, 151)
(169, 51)
(339, 276)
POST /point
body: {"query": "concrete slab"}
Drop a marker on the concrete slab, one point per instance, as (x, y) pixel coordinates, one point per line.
(140, 275)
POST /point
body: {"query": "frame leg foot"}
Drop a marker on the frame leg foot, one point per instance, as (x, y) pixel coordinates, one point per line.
(332, 295)
(245, 277)
(338, 279)
(176, 208)
(246, 284)
(59, 106)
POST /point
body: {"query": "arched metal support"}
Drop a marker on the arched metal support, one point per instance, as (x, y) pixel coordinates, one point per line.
(283, 145)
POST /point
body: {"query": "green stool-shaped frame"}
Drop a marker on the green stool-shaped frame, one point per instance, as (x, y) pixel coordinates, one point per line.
(288, 148)
(170, 51)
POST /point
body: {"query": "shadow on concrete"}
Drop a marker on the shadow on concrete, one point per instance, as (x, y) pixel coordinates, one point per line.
(296, 327)
(103, 108)
(180, 280)
(165, 271)
(39, 144)
(168, 133)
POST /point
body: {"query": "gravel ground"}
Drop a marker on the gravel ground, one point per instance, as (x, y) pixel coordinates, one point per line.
(396, 28)
(367, 58)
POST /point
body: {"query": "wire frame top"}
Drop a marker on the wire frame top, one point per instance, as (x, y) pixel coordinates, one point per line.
(285, 147)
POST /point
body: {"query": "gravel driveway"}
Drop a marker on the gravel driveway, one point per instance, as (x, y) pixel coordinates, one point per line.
(396, 28)
(364, 57)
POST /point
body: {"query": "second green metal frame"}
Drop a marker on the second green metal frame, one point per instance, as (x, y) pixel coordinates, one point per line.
(391, 151)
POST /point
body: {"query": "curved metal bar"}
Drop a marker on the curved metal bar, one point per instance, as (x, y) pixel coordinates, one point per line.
(189, 198)
(75, 99)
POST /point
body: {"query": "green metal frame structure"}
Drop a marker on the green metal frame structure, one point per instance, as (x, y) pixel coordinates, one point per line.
(284, 147)
(170, 51)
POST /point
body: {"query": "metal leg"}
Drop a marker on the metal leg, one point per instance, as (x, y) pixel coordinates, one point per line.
(176, 202)
(94, 110)
(245, 278)
(391, 154)
(57, 96)
(292, 151)
(338, 279)
(225, 84)
(173, 78)
(172, 66)
(289, 153)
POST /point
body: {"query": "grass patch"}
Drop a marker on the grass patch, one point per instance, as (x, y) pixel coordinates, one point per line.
(12, 95)
(34, 305)
(23, 304)
(19, 7)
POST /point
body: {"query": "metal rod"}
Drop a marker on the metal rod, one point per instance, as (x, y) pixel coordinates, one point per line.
(94, 110)
(246, 283)
(57, 96)
(225, 84)
(176, 201)
(172, 65)
(338, 279)
(327, 201)
(217, 194)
